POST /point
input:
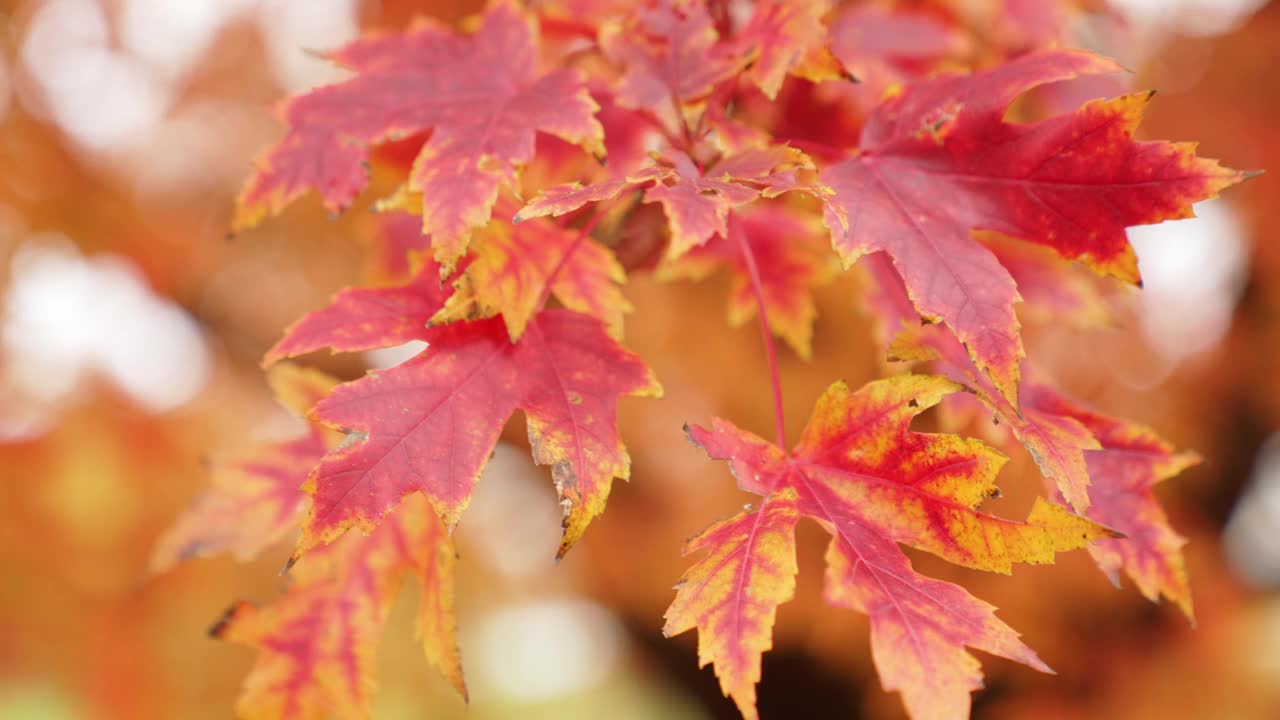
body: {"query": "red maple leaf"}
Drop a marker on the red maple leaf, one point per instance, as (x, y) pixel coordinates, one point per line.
(696, 201)
(865, 477)
(1124, 470)
(431, 423)
(366, 318)
(483, 96)
(670, 54)
(939, 161)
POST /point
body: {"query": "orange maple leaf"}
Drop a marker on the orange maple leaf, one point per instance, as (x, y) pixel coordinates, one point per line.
(256, 500)
(510, 266)
(317, 645)
(784, 38)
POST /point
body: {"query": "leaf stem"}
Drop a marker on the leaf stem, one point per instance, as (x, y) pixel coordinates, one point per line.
(775, 378)
(583, 234)
(685, 130)
(653, 120)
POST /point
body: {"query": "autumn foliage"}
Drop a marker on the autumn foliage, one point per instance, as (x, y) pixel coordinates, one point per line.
(552, 150)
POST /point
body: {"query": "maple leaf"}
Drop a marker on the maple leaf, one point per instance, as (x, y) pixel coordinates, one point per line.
(865, 477)
(431, 423)
(1130, 461)
(784, 38)
(1103, 467)
(939, 161)
(482, 96)
(1056, 443)
(317, 644)
(366, 318)
(670, 54)
(696, 202)
(512, 264)
(256, 500)
(797, 260)
(732, 594)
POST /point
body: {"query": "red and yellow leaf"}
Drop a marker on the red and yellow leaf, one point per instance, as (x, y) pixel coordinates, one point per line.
(1132, 459)
(784, 38)
(920, 627)
(870, 481)
(1073, 183)
(511, 265)
(317, 644)
(483, 96)
(732, 594)
(256, 500)
(1103, 467)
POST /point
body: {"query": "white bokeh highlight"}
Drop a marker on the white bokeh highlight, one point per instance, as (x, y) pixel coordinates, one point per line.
(1193, 273)
(1188, 17)
(110, 88)
(543, 650)
(1251, 539)
(296, 30)
(66, 318)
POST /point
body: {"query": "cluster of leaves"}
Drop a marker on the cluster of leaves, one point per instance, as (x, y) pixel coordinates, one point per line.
(741, 122)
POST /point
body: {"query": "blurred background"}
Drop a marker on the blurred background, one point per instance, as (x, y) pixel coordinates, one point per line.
(131, 327)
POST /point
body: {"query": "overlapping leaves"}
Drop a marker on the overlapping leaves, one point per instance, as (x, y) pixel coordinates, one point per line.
(430, 424)
(1103, 467)
(1072, 183)
(937, 160)
(872, 483)
(318, 642)
(483, 96)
